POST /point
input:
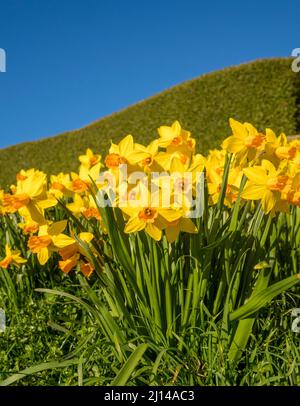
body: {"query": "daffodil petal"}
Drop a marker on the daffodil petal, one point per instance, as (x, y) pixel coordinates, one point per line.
(172, 234)
(268, 201)
(57, 228)
(253, 192)
(134, 224)
(153, 231)
(62, 240)
(43, 255)
(256, 174)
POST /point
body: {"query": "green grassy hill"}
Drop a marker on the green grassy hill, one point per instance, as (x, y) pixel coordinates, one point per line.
(264, 92)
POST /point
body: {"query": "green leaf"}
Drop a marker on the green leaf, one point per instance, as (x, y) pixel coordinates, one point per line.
(37, 368)
(263, 297)
(128, 368)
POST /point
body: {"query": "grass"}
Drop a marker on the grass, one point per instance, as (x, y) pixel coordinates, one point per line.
(264, 92)
(44, 331)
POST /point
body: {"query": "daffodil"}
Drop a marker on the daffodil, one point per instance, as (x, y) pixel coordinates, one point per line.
(152, 217)
(245, 141)
(81, 182)
(49, 239)
(175, 139)
(266, 183)
(24, 174)
(84, 205)
(125, 153)
(278, 147)
(182, 224)
(30, 193)
(66, 265)
(214, 182)
(181, 180)
(145, 157)
(60, 185)
(12, 257)
(29, 227)
(70, 254)
(2, 211)
(89, 159)
(292, 191)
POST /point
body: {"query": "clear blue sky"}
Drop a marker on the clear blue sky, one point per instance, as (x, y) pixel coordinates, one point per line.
(70, 62)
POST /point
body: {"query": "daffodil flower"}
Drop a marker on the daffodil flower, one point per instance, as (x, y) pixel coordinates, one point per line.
(215, 179)
(176, 139)
(30, 193)
(70, 254)
(151, 218)
(60, 185)
(12, 257)
(182, 224)
(81, 182)
(278, 147)
(125, 153)
(89, 159)
(246, 141)
(48, 240)
(265, 183)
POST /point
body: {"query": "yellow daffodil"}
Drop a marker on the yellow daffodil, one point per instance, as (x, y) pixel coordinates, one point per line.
(278, 148)
(245, 141)
(151, 218)
(70, 254)
(176, 139)
(182, 224)
(30, 193)
(84, 205)
(215, 179)
(2, 211)
(86, 268)
(24, 174)
(292, 191)
(265, 183)
(125, 153)
(12, 257)
(29, 227)
(89, 159)
(81, 182)
(60, 185)
(48, 240)
(170, 169)
(147, 159)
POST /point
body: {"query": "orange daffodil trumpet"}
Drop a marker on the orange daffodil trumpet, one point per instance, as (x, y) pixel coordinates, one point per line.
(155, 186)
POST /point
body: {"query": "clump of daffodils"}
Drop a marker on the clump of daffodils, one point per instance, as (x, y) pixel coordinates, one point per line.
(156, 187)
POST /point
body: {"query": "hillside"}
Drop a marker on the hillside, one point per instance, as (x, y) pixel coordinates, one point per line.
(265, 92)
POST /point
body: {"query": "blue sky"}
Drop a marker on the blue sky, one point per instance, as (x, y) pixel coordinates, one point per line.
(70, 62)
